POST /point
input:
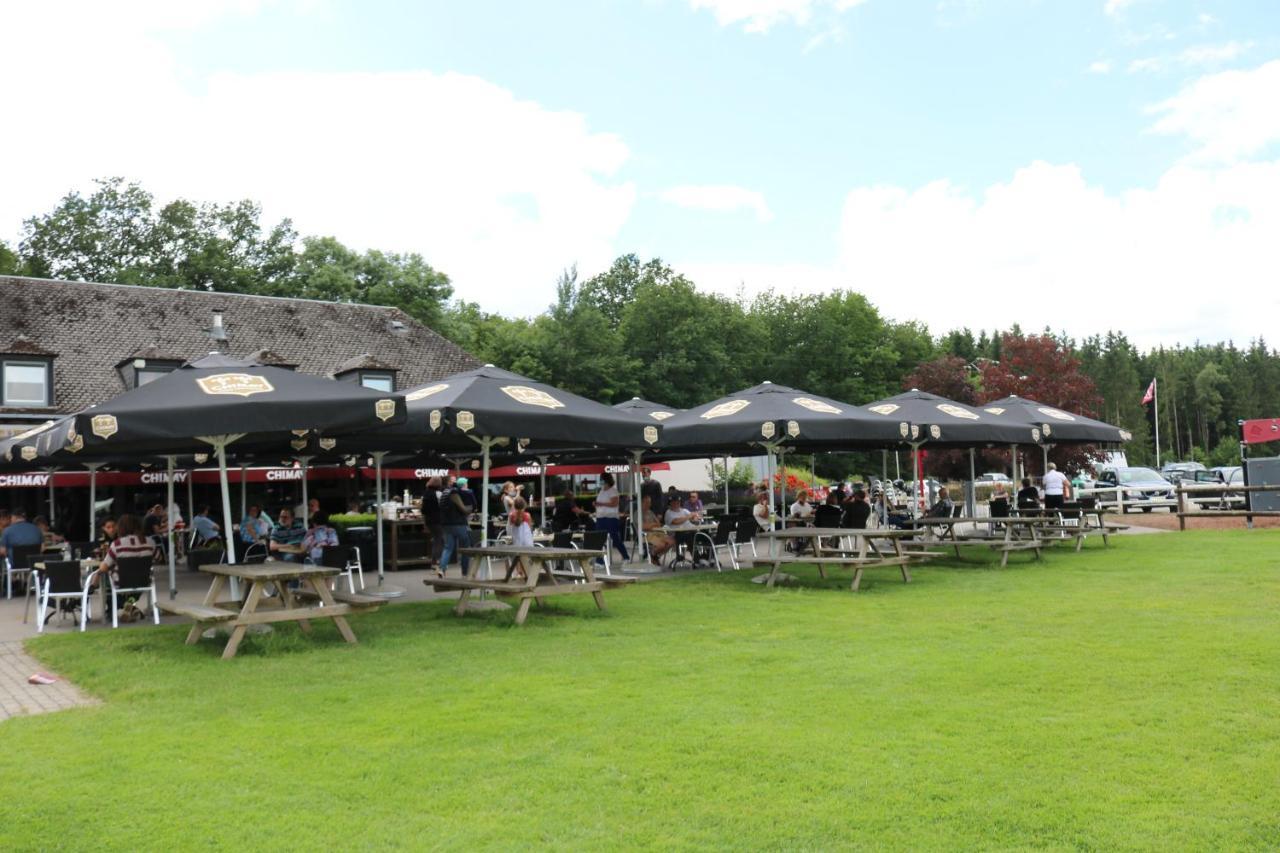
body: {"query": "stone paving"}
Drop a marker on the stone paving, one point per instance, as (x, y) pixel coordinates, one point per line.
(17, 697)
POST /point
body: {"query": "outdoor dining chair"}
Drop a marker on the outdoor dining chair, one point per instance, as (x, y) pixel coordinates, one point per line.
(744, 536)
(346, 559)
(722, 538)
(598, 540)
(18, 563)
(134, 576)
(255, 553)
(682, 553)
(59, 584)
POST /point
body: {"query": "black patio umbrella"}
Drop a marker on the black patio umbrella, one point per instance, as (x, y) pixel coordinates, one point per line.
(1054, 425)
(940, 422)
(215, 401)
(488, 408)
(768, 418)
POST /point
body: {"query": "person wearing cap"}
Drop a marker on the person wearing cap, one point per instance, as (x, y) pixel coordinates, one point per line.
(456, 505)
(677, 517)
(1057, 488)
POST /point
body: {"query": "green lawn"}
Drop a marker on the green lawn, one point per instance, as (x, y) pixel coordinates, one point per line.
(1114, 698)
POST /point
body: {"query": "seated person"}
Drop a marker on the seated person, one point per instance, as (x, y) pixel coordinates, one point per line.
(658, 540)
(998, 504)
(567, 512)
(1028, 495)
(319, 536)
(942, 507)
(106, 536)
(694, 504)
(51, 540)
(676, 515)
(856, 511)
(802, 510)
(288, 532)
(254, 527)
(761, 511)
(206, 528)
(129, 542)
(19, 532)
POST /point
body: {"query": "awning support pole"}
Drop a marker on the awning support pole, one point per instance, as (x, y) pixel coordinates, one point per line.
(93, 500)
(377, 505)
(173, 557)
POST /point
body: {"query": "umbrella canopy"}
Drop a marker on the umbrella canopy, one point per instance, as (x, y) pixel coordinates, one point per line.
(221, 396)
(945, 423)
(775, 415)
(1055, 425)
(459, 410)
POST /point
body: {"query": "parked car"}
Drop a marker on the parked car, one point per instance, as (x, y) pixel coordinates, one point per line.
(1232, 475)
(1176, 472)
(1138, 485)
(994, 477)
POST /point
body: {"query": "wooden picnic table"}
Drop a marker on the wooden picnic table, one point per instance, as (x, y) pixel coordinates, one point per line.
(539, 578)
(840, 556)
(257, 576)
(1018, 533)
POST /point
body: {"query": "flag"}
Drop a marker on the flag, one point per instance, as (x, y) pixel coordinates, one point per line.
(1151, 393)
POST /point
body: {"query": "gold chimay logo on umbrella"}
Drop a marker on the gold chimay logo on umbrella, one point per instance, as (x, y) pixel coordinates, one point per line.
(725, 409)
(531, 396)
(328, 443)
(234, 384)
(651, 434)
(994, 410)
(904, 430)
(425, 392)
(886, 409)
(1035, 434)
(935, 432)
(1056, 414)
(385, 409)
(661, 416)
(104, 426)
(768, 428)
(434, 419)
(28, 453)
(76, 445)
(957, 412)
(816, 406)
(793, 428)
(298, 443)
(466, 421)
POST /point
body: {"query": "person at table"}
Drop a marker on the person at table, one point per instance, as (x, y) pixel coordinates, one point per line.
(693, 503)
(520, 524)
(651, 487)
(568, 514)
(998, 503)
(1057, 488)
(129, 542)
(6, 518)
(761, 512)
(607, 502)
(287, 534)
(255, 527)
(431, 519)
(856, 511)
(942, 507)
(52, 539)
(19, 532)
(106, 535)
(676, 516)
(312, 507)
(1028, 497)
(456, 505)
(319, 536)
(658, 540)
(208, 530)
(801, 509)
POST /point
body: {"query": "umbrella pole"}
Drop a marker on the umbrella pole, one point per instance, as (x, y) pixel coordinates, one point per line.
(377, 506)
(919, 485)
(306, 503)
(884, 487)
(93, 499)
(191, 496)
(642, 548)
(1013, 464)
(52, 515)
(542, 486)
(972, 497)
(244, 494)
(1045, 469)
(726, 485)
(173, 566)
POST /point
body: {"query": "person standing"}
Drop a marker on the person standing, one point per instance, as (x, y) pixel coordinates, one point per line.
(651, 489)
(607, 501)
(431, 519)
(456, 505)
(1057, 488)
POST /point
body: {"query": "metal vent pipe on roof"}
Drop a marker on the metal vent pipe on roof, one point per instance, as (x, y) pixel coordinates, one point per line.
(217, 331)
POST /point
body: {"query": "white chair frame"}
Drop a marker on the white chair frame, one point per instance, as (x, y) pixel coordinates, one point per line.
(44, 596)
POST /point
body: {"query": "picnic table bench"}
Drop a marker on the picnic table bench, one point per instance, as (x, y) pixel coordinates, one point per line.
(858, 564)
(540, 579)
(1020, 533)
(258, 575)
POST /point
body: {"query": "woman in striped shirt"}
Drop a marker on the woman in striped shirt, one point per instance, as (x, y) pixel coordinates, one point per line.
(129, 542)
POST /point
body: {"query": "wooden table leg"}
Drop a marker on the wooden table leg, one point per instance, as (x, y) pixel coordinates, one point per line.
(522, 612)
(857, 579)
(237, 633)
(461, 606)
(588, 570)
(210, 598)
(326, 598)
(773, 574)
(286, 598)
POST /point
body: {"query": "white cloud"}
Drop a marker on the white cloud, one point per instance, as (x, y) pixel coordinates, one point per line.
(499, 192)
(721, 198)
(1200, 55)
(1101, 66)
(1116, 7)
(1192, 257)
(759, 16)
(1229, 115)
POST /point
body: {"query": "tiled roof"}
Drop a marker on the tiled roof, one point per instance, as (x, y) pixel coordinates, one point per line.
(94, 327)
(364, 361)
(22, 345)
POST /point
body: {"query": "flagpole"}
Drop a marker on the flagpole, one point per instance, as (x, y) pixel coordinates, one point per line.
(1155, 385)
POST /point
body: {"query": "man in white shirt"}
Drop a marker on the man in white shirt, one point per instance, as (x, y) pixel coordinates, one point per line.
(802, 510)
(677, 516)
(1057, 488)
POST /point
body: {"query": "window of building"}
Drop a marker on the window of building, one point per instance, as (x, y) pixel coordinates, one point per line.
(384, 382)
(150, 374)
(26, 384)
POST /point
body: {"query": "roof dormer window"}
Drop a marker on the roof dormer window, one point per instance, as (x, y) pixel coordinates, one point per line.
(146, 365)
(27, 383)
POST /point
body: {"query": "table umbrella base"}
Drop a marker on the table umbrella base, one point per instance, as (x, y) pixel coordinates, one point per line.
(782, 577)
(383, 591)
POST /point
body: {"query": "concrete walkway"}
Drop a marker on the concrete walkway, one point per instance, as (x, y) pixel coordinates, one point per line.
(18, 697)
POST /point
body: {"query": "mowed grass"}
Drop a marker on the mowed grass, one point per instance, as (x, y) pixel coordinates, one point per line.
(1115, 698)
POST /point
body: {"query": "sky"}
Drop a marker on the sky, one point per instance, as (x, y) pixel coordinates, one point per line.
(1078, 165)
